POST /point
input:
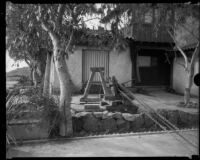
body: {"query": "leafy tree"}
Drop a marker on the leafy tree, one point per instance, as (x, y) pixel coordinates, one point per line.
(61, 21)
(24, 40)
(181, 21)
(54, 26)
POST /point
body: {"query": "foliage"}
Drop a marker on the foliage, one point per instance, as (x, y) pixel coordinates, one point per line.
(50, 113)
(9, 116)
(47, 107)
(120, 16)
(24, 80)
(66, 20)
(163, 14)
(25, 40)
(24, 36)
(187, 33)
(180, 20)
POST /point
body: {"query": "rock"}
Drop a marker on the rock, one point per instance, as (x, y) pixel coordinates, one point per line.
(122, 125)
(193, 119)
(109, 125)
(139, 110)
(128, 116)
(163, 112)
(173, 116)
(77, 124)
(106, 115)
(117, 115)
(82, 133)
(90, 123)
(110, 114)
(73, 113)
(138, 122)
(183, 119)
(82, 114)
(105, 112)
(148, 122)
(98, 114)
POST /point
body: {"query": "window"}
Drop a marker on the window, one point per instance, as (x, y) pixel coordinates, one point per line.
(144, 61)
(147, 61)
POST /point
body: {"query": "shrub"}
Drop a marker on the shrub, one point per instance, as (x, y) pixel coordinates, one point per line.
(47, 106)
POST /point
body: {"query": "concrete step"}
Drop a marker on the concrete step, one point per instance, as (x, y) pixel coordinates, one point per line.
(82, 99)
(92, 107)
(89, 106)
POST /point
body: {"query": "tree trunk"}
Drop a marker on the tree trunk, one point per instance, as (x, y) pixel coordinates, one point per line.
(34, 78)
(190, 74)
(31, 76)
(46, 85)
(66, 128)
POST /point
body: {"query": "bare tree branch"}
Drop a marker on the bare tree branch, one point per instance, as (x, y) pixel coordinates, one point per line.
(195, 53)
(26, 60)
(70, 39)
(189, 31)
(167, 58)
(181, 51)
(61, 10)
(181, 64)
(91, 19)
(46, 27)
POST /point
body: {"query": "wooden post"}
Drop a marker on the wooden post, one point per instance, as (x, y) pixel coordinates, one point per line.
(107, 92)
(88, 85)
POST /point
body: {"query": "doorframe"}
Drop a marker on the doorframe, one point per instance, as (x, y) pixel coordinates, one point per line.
(142, 45)
(96, 49)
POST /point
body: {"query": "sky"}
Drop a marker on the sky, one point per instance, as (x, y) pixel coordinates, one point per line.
(10, 62)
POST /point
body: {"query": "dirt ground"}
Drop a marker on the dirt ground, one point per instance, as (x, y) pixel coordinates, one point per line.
(129, 146)
(157, 99)
(146, 145)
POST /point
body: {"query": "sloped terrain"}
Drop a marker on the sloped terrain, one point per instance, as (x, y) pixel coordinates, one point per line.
(18, 72)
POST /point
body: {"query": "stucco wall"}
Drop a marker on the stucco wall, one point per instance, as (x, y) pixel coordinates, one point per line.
(74, 63)
(120, 66)
(180, 77)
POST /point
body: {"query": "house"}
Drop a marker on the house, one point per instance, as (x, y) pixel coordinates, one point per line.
(87, 55)
(148, 61)
(179, 75)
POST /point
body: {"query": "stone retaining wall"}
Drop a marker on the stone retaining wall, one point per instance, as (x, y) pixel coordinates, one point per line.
(86, 123)
(109, 122)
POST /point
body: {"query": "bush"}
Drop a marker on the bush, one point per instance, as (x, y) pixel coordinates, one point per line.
(24, 80)
(47, 106)
(50, 113)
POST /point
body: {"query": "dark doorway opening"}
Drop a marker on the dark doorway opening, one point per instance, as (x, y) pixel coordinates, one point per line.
(154, 67)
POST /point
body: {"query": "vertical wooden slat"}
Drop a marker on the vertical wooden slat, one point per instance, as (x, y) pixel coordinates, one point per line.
(94, 58)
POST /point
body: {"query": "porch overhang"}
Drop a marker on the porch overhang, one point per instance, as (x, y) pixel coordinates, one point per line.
(146, 33)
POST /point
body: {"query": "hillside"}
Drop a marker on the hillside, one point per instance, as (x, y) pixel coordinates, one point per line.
(19, 72)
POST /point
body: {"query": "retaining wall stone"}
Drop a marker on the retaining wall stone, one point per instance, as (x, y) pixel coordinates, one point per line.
(108, 122)
(109, 125)
(128, 116)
